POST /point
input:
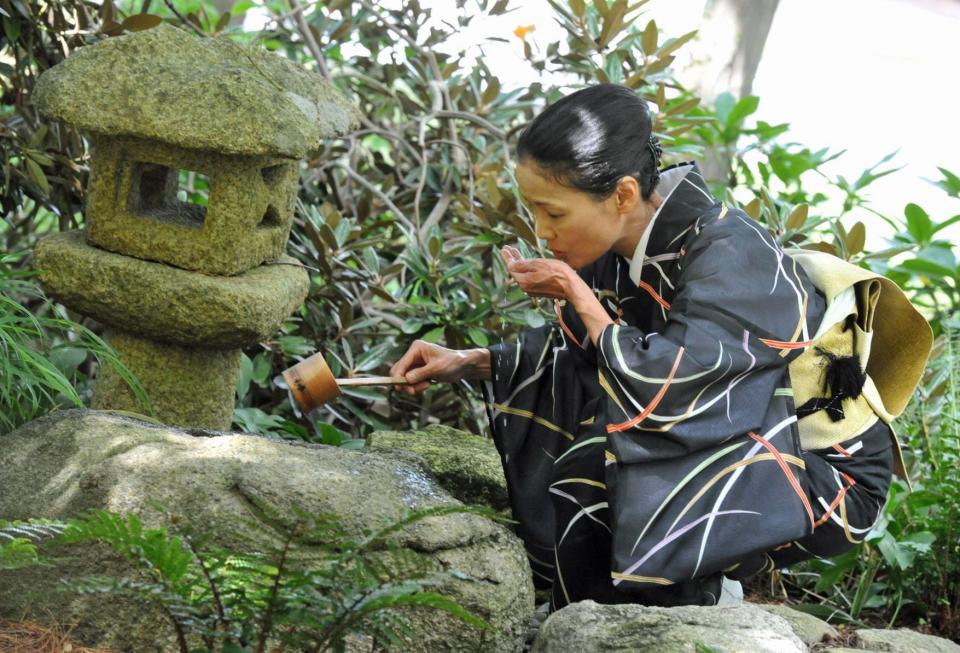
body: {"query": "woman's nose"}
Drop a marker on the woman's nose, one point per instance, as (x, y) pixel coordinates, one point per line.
(541, 230)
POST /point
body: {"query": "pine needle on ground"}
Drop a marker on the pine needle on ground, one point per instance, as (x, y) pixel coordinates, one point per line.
(23, 637)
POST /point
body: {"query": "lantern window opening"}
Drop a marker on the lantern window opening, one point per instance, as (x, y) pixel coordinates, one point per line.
(270, 219)
(273, 174)
(169, 195)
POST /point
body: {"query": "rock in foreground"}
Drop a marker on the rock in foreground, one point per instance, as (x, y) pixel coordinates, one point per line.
(589, 626)
(71, 461)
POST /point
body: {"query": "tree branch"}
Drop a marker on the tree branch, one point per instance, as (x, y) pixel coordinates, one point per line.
(379, 193)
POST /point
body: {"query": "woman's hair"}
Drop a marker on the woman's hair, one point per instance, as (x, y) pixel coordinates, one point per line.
(593, 138)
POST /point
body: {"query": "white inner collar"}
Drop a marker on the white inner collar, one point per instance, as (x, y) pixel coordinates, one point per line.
(669, 180)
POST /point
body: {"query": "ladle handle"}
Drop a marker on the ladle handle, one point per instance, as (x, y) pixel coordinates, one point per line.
(372, 380)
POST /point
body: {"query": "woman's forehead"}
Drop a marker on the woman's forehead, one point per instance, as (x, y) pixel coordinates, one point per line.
(537, 186)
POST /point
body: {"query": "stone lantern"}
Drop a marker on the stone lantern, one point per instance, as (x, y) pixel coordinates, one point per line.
(183, 282)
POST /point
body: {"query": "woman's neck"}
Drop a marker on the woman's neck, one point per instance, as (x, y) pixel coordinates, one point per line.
(635, 224)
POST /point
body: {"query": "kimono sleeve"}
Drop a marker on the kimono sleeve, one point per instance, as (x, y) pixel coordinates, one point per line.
(537, 397)
(738, 316)
(535, 389)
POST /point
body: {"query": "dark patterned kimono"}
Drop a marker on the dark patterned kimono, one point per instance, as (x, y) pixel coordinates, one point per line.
(640, 469)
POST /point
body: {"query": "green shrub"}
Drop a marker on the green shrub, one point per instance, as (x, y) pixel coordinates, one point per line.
(41, 354)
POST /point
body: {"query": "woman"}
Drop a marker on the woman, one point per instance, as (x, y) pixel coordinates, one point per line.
(649, 437)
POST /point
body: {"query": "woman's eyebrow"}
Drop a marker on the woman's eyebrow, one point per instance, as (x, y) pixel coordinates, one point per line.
(538, 202)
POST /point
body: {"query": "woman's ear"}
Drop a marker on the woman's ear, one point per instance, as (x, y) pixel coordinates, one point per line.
(627, 194)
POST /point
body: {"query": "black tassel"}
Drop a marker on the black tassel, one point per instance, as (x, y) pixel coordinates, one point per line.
(832, 405)
(844, 377)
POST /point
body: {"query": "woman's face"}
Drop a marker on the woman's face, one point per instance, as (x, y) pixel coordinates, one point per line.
(578, 228)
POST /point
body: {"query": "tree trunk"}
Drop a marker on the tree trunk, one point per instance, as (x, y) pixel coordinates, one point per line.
(725, 58)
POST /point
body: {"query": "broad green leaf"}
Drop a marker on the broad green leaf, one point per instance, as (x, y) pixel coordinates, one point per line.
(950, 182)
(411, 325)
(946, 223)
(492, 91)
(329, 434)
(140, 22)
(246, 373)
(261, 369)
(433, 335)
(927, 268)
(36, 174)
(650, 36)
(478, 337)
(856, 239)
(723, 106)
(940, 254)
(798, 217)
(671, 45)
(68, 359)
(682, 107)
(919, 224)
(612, 22)
(657, 65)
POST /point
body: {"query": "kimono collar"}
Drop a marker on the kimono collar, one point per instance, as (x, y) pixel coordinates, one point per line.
(685, 198)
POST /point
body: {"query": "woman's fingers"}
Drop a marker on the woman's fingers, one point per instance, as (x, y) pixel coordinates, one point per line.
(510, 254)
(424, 362)
(412, 358)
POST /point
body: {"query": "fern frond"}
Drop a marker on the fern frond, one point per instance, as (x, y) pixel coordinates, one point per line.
(341, 584)
(33, 529)
(145, 590)
(17, 540)
(399, 595)
(164, 554)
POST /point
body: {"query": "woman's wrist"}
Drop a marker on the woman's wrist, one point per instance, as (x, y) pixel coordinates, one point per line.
(478, 364)
(593, 315)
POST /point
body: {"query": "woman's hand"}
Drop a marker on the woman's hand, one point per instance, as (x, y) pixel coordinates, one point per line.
(425, 361)
(539, 277)
(542, 277)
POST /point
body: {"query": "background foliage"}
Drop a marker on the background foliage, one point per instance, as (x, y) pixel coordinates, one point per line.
(401, 220)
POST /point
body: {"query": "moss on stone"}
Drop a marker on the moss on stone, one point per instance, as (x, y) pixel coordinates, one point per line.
(903, 640)
(169, 85)
(187, 386)
(468, 466)
(132, 206)
(165, 303)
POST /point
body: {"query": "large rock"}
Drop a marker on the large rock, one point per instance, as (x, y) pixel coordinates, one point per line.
(903, 641)
(808, 628)
(169, 85)
(467, 466)
(589, 626)
(71, 461)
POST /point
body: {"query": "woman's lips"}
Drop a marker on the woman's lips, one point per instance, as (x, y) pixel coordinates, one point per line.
(557, 253)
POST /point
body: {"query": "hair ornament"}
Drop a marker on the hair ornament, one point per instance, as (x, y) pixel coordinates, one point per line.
(656, 151)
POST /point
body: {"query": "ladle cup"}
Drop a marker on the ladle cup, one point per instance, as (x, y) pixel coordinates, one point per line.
(313, 384)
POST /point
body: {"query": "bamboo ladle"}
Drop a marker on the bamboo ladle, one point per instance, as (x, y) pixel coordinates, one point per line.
(313, 384)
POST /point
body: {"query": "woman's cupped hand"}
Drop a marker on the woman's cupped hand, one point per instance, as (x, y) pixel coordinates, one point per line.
(538, 277)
